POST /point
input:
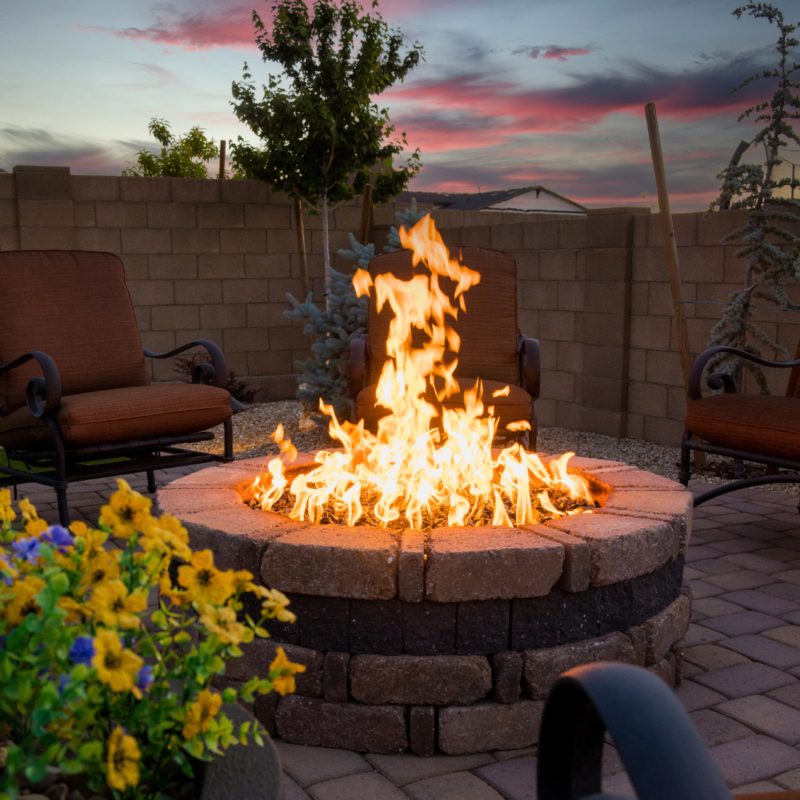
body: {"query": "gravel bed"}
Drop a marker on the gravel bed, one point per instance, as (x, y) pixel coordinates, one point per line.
(252, 429)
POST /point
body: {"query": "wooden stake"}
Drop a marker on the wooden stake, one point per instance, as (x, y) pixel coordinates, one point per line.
(301, 246)
(366, 209)
(221, 175)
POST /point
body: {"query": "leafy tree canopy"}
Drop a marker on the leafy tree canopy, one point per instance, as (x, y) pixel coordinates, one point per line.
(183, 157)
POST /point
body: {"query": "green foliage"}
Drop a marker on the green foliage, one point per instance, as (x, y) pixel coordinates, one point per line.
(85, 687)
(321, 132)
(179, 158)
(772, 251)
(236, 388)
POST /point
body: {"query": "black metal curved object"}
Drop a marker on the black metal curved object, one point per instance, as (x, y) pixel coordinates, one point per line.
(218, 364)
(661, 749)
(47, 387)
(530, 366)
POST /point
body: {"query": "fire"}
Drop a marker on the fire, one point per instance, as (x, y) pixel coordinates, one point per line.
(427, 465)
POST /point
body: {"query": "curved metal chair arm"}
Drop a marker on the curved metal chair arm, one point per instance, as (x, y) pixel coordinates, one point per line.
(45, 388)
(659, 745)
(696, 375)
(530, 365)
(359, 365)
(215, 373)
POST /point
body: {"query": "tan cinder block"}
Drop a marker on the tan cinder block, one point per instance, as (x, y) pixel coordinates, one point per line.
(279, 287)
(699, 330)
(260, 265)
(546, 411)
(652, 333)
(711, 229)
(220, 215)
(171, 265)
(540, 235)
(266, 315)
(221, 265)
(640, 230)
(649, 264)
(528, 322)
(92, 188)
(570, 296)
(702, 264)
(607, 394)
(608, 328)
(173, 318)
(172, 215)
(9, 239)
(158, 341)
(193, 334)
(609, 297)
(601, 361)
(146, 240)
(198, 291)
(477, 236)
(243, 340)
(637, 364)
(507, 237)
(279, 198)
(445, 218)
(647, 399)
(659, 299)
(539, 294)
(238, 363)
(568, 415)
(142, 314)
(664, 367)
(527, 265)
(289, 338)
(347, 219)
(609, 264)
(195, 190)
(663, 431)
(155, 189)
(735, 267)
(195, 240)
(236, 191)
(558, 385)
(245, 291)
(164, 371)
(269, 217)
(242, 241)
(135, 266)
(557, 325)
(609, 230)
(8, 214)
(639, 294)
(223, 316)
(151, 293)
(266, 362)
(82, 215)
(572, 233)
(549, 356)
(44, 214)
(121, 214)
(102, 240)
(676, 403)
(48, 238)
(43, 183)
(684, 225)
(8, 187)
(557, 265)
(598, 420)
(337, 240)
(570, 356)
(452, 237)
(635, 426)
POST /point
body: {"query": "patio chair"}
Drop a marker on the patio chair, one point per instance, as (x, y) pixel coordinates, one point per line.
(761, 428)
(492, 348)
(75, 397)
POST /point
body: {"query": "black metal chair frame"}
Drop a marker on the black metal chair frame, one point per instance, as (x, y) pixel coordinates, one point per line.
(142, 455)
(717, 381)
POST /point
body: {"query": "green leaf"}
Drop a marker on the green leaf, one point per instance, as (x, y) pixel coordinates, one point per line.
(36, 771)
(229, 695)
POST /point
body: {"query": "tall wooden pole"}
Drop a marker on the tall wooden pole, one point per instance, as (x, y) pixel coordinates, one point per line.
(301, 246)
(221, 160)
(366, 209)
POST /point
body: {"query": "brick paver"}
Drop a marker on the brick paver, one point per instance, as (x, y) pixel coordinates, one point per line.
(741, 672)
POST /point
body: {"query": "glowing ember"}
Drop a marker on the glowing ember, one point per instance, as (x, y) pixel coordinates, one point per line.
(426, 466)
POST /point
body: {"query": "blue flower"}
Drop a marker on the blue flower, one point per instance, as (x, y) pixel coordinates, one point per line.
(58, 536)
(144, 678)
(27, 549)
(82, 650)
(63, 681)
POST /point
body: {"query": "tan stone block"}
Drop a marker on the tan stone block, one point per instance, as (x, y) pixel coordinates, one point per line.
(649, 264)
(244, 191)
(83, 215)
(242, 241)
(622, 547)
(639, 295)
(559, 385)
(607, 394)
(568, 415)
(285, 241)
(279, 198)
(337, 240)
(640, 228)
(260, 653)
(347, 219)
(238, 363)
(663, 431)
(220, 215)
(223, 316)
(158, 342)
(195, 240)
(172, 215)
(489, 726)
(674, 506)
(664, 368)
(577, 557)
(245, 291)
(702, 264)
(280, 287)
(48, 238)
(195, 190)
(489, 563)
(647, 399)
(173, 318)
(445, 218)
(609, 230)
(557, 325)
(634, 428)
(335, 685)
(179, 500)
(476, 235)
(142, 314)
(734, 267)
(609, 264)
(45, 214)
(540, 235)
(507, 237)
(43, 183)
(9, 239)
(151, 293)
(155, 189)
(539, 294)
(528, 320)
(266, 315)
(91, 188)
(135, 266)
(8, 187)
(651, 333)
(637, 365)
(571, 295)
(558, 265)
(684, 225)
(328, 560)
(606, 297)
(527, 265)
(543, 667)
(220, 265)
(146, 240)
(599, 361)
(268, 217)
(286, 338)
(268, 266)
(635, 479)
(411, 566)
(711, 229)
(569, 356)
(419, 680)
(121, 214)
(8, 214)
(243, 340)
(103, 240)
(169, 266)
(667, 628)
(608, 328)
(267, 362)
(197, 291)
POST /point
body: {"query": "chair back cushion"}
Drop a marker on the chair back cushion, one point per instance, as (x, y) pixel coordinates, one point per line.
(488, 329)
(74, 306)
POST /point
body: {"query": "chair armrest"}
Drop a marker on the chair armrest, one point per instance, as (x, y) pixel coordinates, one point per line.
(530, 370)
(720, 380)
(359, 365)
(47, 387)
(215, 373)
(663, 753)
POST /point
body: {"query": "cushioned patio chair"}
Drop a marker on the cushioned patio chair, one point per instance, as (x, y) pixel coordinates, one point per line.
(760, 428)
(492, 348)
(75, 397)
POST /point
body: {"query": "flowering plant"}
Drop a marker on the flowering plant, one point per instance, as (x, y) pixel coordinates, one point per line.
(88, 684)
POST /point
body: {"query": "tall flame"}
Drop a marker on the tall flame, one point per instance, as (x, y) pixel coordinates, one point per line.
(413, 468)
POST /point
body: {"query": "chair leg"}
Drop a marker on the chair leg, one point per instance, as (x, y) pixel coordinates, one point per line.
(228, 428)
(151, 481)
(61, 471)
(685, 469)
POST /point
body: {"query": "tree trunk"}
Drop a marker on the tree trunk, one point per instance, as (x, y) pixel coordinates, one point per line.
(326, 248)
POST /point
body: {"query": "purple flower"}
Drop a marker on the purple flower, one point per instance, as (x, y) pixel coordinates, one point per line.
(63, 681)
(82, 650)
(58, 536)
(26, 548)
(144, 678)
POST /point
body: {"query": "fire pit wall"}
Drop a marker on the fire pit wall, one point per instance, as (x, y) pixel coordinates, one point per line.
(449, 640)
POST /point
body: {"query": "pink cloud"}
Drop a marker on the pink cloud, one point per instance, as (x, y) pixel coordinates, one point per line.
(552, 51)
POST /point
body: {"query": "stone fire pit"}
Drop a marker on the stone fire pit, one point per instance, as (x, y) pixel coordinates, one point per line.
(449, 639)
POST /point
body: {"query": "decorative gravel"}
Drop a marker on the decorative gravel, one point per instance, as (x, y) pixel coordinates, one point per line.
(252, 429)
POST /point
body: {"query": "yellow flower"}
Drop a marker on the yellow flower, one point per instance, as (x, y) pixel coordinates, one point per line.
(127, 511)
(23, 601)
(112, 605)
(103, 567)
(79, 529)
(35, 527)
(75, 611)
(242, 579)
(283, 683)
(28, 510)
(167, 535)
(123, 760)
(274, 605)
(116, 666)
(7, 514)
(204, 582)
(201, 712)
(222, 622)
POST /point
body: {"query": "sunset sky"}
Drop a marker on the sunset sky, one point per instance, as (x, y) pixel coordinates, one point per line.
(512, 92)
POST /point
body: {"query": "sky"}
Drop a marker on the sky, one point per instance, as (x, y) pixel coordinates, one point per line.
(511, 93)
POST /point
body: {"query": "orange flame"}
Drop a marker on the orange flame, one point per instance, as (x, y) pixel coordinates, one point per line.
(411, 467)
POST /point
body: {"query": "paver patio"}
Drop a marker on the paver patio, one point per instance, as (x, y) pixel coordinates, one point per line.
(741, 675)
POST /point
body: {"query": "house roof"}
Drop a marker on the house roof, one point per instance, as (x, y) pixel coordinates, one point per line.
(479, 201)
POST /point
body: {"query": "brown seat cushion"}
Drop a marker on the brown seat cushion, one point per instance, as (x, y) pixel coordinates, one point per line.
(757, 423)
(119, 415)
(512, 408)
(74, 306)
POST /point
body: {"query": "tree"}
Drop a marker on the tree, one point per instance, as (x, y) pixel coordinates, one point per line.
(322, 134)
(179, 158)
(773, 252)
